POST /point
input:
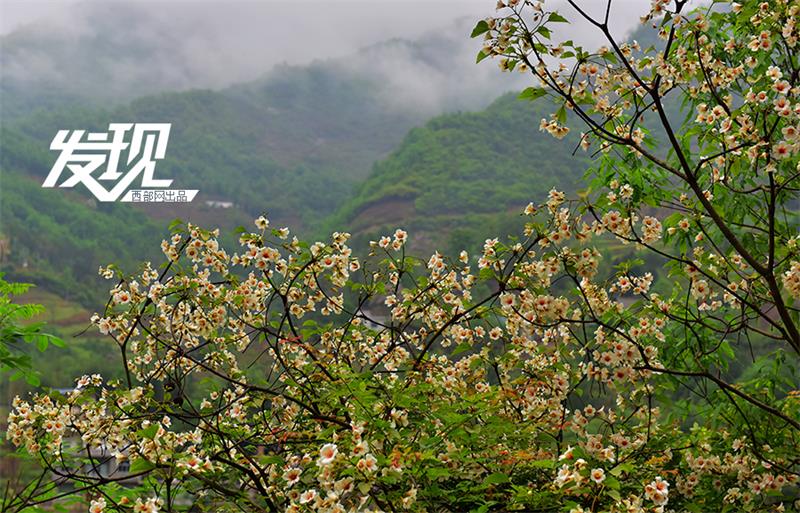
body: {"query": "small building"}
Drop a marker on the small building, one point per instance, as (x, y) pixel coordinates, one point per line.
(219, 204)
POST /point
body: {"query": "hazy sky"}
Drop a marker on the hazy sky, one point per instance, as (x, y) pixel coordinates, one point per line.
(375, 17)
(292, 31)
(147, 46)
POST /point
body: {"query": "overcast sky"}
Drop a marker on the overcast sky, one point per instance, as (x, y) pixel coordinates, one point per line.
(292, 31)
(122, 49)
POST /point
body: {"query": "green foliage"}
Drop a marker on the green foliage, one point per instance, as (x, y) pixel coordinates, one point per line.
(58, 241)
(17, 329)
(292, 144)
(462, 176)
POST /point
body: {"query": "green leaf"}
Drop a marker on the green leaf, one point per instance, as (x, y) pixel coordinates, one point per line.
(611, 483)
(532, 93)
(273, 460)
(32, 379)
(148, 432)
(727, 350)
(619, 469)
(437, 472)
(557, 18)
(141, 465)
(496, 478)
(480, 28)
(175, 224)
(543, 464)
(460, 348)
(481, 56)
(486, 273)
(561, 114)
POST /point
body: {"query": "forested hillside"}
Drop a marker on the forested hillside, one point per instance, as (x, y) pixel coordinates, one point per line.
(293, 147)
(461, 177)
(457, 179)
(309, 134)
(319, 148)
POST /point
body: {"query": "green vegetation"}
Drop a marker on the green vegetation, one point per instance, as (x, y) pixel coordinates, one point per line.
(51, 229)
(293, 145)
(463, 176)
(16, 331)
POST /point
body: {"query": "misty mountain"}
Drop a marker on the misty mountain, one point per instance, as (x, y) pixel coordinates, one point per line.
(104, 54)
(295, 143)
(292, 144)
(456, 180)
(464, 177)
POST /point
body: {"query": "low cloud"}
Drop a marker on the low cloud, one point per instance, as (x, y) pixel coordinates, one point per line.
(420, 52)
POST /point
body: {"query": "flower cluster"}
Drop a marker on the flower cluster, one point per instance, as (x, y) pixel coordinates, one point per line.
(235, 377)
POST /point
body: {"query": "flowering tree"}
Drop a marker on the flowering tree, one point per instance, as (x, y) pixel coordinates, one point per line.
(296, 377)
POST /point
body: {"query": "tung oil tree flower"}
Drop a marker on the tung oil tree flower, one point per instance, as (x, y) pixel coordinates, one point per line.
(533, 376)
(696, 141)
